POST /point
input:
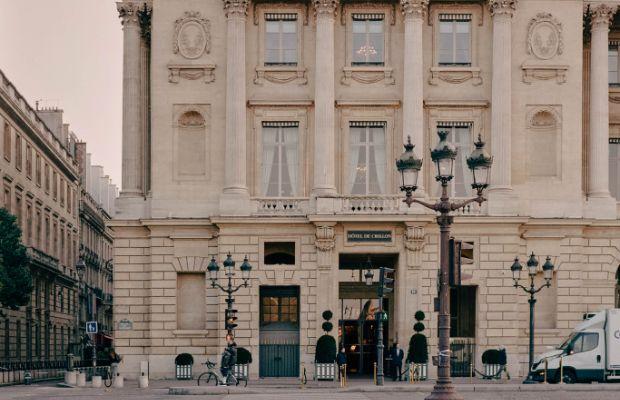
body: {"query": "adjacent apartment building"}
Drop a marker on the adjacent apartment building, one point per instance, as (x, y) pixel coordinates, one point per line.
(269, 129)
(62, 204)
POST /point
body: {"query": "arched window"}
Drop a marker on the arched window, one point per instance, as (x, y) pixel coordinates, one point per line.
(279, 253)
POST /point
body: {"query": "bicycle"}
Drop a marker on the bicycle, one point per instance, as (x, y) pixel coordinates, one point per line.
(107, 377)
(218, 380)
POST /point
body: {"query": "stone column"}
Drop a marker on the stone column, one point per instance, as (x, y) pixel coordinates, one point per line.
(132, 140)
(502, 199)
(324, 100)
(235, 186)
(413, 90)
(327, 274)
(600, 204)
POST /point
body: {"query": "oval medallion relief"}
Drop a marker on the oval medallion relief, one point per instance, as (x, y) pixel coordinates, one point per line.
(192, 40)
(545, 37)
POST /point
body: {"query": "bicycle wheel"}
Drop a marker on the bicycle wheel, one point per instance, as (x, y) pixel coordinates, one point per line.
(231, 380)
(107, 379)
(202, 376)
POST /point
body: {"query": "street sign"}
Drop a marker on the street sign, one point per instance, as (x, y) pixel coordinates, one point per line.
(91, 327)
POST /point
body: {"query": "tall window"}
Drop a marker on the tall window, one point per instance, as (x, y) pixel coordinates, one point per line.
(368, 39)
(280, 163)
(47, 178)
(367, 157)
(7, 141)
(38, 170)
(455, 39)
(614, 167)
(614, 71)
(459, 134)
(62, 192)
(37, 231)
(28, 161)
(279, 308)
(29, 236)
(18, 152)
(47, 235)
(55, 185)
(280, 39)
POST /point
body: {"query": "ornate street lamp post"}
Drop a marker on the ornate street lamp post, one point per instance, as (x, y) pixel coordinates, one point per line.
(532, 269)
(409, 166)
(229, 266)
(80, 268)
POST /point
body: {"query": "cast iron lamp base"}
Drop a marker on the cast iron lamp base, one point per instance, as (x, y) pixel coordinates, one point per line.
(444, 391)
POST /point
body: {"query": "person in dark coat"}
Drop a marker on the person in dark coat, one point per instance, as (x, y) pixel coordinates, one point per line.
(397, 361)
(229, 357)
(341, 360)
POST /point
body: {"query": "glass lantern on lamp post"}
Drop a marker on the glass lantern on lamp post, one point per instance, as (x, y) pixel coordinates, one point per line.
(532, 271)
(409, 166)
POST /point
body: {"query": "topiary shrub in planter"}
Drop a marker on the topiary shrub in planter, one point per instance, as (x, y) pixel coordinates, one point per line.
(325, 352)
(418, 348)
(183, 363)
(241, 369)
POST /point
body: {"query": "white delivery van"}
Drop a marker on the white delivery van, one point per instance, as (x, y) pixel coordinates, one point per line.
(590, 353)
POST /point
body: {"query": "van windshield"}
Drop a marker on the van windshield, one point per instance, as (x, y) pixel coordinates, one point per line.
(568, 341)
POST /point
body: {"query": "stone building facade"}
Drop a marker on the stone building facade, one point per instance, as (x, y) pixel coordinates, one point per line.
(268, 129)
(97, 196)
(40, 187)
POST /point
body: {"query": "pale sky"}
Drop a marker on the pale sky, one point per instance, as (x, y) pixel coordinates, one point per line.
(69, 53)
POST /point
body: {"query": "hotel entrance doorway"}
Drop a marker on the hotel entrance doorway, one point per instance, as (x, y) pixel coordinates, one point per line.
(357, 331)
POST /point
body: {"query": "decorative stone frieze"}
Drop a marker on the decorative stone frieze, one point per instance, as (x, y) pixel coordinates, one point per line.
(190, 264)
(455, 75)
(192, 37)
(414, 8)
(236, 8)
(367, 75)
(414, 239)
(503, 7)
(532, 72)
(325, 242)
(280, 75)
(370, 6)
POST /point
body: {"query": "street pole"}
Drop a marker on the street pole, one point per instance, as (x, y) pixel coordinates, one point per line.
(380, 346)
(229, 304)
(532, 301)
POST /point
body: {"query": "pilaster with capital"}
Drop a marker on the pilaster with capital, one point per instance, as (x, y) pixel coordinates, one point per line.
(599, 198)
(327, 273)
(235, 197)
(502, 199)
(324, 98)
(132, 156)
(414, 239)
(413, 83)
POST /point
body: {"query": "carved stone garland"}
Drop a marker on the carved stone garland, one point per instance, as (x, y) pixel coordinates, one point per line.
(414, 243)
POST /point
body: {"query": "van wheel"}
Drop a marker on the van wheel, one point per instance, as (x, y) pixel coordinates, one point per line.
(569, 376)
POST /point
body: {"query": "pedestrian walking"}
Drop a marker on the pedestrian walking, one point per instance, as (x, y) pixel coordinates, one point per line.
(341, 360)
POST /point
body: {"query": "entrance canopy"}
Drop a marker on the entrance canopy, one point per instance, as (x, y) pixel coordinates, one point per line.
(359, 260)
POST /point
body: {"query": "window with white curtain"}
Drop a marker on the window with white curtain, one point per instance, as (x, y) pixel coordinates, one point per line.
(280, 163)
(280, 39)
(459, 134)
(455, 39)
(367, 164)
(368, 39)
(612, 63)
(614, 167)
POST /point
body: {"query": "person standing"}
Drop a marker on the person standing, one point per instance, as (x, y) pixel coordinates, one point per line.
(397, 361)
(341, 360)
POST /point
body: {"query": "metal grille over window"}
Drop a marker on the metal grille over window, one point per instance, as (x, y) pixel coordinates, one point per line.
(368, 39)
(280, 39)
(367, 159)
(460, 134)
(280, 158)
(454, 39)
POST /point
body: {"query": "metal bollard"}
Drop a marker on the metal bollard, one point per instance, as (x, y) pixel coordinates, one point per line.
(302, 378)
(411, 372)
(545, 373)
(471, 373)
(374, 373)
(561, 369)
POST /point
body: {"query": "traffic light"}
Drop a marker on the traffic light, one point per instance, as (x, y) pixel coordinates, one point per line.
(386, 281)
(230, 322)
